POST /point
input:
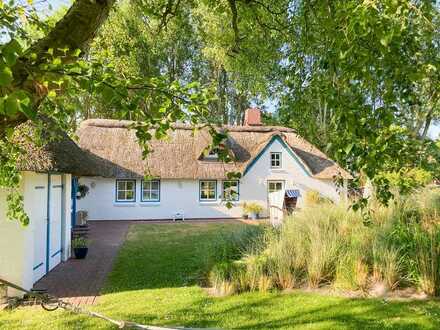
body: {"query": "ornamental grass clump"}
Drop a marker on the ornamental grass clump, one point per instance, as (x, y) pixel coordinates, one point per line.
(332, 245)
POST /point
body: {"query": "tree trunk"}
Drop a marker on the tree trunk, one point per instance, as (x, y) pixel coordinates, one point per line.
(74, 31)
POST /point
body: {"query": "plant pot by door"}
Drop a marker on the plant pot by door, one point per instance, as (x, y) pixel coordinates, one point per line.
(80, 253)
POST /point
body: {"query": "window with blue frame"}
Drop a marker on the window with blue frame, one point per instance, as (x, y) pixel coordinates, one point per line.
(230, 191)
(150, 191)
(208, 190)
(125, 190)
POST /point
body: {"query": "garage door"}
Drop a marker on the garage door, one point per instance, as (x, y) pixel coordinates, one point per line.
(47, 219)
(39, 195)
(55, 197)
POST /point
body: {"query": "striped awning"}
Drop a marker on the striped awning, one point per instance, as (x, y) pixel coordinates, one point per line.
(293, 193)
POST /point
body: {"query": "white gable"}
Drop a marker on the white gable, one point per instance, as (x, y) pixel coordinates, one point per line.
(293, 172)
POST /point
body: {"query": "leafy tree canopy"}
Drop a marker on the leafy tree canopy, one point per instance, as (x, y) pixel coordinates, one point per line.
(358, 78)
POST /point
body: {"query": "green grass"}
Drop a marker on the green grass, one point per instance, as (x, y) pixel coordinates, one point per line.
(155, 281)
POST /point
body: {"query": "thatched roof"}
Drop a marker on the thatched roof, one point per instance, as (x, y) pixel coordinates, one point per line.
(56, 152)
(178, 157)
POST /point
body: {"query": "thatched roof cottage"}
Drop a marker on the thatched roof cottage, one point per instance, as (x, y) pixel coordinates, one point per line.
(184, 180)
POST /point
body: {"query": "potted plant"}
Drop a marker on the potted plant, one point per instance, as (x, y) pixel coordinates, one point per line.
(82, 191)
(80, 247)
(254, 210)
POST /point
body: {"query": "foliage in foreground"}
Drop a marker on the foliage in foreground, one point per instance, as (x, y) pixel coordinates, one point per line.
(326, 244)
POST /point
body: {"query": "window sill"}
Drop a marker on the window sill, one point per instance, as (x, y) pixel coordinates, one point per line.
(147, 204)
(216, 202)
(124, 204)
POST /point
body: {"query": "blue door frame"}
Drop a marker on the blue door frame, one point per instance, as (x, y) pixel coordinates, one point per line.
(74, 192)
(48, 223)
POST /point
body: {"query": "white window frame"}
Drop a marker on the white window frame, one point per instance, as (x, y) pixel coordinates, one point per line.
(200, 191)
(150, 190)
(275, 182)
(117, 190)
(236, 196)
(279, 160)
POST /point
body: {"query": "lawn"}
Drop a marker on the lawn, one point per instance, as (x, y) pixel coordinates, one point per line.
(156, 281)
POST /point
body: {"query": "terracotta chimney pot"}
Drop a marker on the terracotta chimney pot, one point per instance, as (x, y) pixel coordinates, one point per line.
(252, 117)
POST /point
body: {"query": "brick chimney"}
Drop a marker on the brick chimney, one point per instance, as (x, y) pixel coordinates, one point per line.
(252, 117)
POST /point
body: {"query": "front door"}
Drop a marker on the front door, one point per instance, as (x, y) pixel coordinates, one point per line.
(55, 218)
(275, 194)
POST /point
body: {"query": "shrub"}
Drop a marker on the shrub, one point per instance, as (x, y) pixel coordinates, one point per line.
(332, 244)
(253, 208)
(80, 242)
(233, 245)
(427, 257)
(312, 197)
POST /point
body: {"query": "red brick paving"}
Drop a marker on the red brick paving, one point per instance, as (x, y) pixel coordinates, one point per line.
(80, 281)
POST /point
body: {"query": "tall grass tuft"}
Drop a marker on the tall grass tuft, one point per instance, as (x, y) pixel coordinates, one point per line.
(327, 244)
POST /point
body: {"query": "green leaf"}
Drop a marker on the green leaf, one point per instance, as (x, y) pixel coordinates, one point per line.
(12, 105)
(5, 75)
(348, 148)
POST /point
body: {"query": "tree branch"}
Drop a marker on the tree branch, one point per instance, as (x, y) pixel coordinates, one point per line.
(233, 7)
(74, 31)
(77, 28)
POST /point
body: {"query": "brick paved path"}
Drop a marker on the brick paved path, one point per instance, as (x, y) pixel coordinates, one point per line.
(80, 281)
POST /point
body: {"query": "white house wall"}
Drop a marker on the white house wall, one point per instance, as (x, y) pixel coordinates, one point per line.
(175, 196)
(292, 172)
(16, 253)
(183, 195)
(24, 248)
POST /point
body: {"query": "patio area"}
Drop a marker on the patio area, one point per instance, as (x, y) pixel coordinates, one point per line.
(80, 281)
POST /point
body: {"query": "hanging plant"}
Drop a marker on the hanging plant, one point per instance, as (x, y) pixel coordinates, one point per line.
(82, 191)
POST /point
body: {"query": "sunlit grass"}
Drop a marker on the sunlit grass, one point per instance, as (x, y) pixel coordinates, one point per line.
(156, 281)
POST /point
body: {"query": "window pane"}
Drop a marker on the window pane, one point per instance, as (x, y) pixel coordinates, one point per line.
(145, 195)
(230, 190)
(208, 190)
(121, 195)
(120, 185)
(211, 194)
(125, 190)
(151, 190)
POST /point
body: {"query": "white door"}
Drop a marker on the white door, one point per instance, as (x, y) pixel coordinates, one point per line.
(276, 201)
(39, 199)
(55, 218)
